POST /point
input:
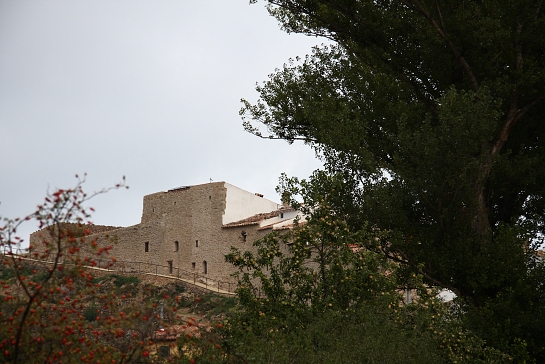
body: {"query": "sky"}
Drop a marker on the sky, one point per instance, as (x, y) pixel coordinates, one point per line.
(149, 90)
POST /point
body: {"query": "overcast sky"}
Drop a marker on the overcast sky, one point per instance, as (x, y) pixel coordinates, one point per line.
(146, 89)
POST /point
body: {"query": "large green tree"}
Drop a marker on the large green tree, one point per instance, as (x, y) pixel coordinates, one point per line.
(432, 113)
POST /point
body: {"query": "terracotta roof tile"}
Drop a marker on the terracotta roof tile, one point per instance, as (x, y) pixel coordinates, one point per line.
(174, 332)
(252, 220)
(281, 227)
(286, 209)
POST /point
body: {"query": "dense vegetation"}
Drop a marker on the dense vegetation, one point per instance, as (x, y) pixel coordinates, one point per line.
(428, 117)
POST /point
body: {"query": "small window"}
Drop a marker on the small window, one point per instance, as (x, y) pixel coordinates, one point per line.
(205, 267)
(170, 267)
(196, 243)
(146, 246)
(176, 246)
(209, 197)
(193, 265)
(244, 235)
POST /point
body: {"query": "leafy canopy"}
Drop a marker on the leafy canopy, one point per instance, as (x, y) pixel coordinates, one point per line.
(431, 113)
(315, 294)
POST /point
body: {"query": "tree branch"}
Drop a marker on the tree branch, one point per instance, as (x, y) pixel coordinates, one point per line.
(406, 261)
(512, 118)
(442, 32)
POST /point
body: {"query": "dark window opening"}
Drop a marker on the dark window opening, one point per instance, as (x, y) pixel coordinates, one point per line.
(193, 265)
(170, 268)
(244, 235)
(176, 246)
(281, 215)
(164, 351)
(209, 197)
(146, 246)
(196, 243)
(205, 267)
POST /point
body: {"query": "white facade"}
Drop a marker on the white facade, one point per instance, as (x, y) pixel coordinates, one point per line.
(240, 204)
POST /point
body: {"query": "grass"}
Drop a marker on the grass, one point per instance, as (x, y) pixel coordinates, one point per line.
(8, 273)
(214, 304)
(117, 279)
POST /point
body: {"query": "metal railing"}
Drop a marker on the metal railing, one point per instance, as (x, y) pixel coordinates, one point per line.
(131, 267)
(167, 271)
(5, 250)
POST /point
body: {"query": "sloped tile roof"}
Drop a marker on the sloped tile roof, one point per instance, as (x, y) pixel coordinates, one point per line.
(286, 209)
(252, 220)
(175, 331)
(281, 225)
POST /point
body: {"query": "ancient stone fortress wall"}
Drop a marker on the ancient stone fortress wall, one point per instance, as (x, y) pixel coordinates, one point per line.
(192, 228)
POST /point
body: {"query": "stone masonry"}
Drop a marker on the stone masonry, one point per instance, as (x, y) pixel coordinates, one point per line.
(192, 228)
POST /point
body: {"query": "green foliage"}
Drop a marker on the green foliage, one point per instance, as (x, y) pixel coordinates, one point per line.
(368, 337)
(185, 303)
(7, 273)
(91, 312)
(324, 293)
(179, 288)
(224, 305)
(122, 280)
(427, 115)
(10, 274)
(118, 280)
(314, 266)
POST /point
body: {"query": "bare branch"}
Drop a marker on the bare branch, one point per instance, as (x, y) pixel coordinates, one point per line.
(440, 15)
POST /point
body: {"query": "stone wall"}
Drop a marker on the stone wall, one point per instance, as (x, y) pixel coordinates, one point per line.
(182, 229)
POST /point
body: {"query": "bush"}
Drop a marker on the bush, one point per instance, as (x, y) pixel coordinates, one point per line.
(122, 280)
(91, 312)
(48, 313)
